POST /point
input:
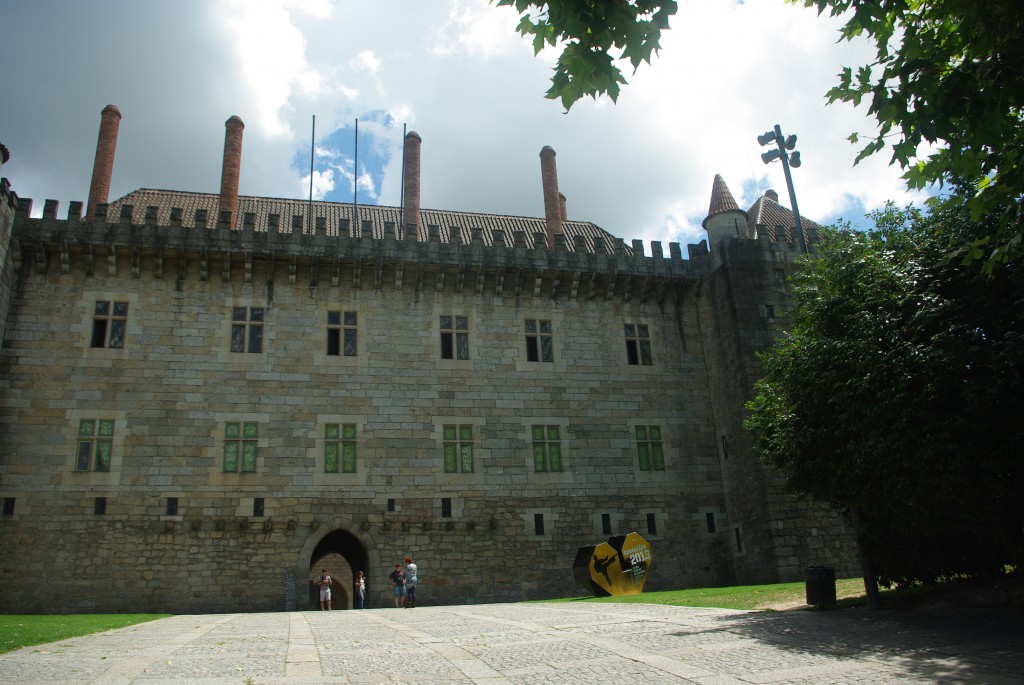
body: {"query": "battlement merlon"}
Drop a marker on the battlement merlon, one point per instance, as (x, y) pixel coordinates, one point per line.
(609, 271)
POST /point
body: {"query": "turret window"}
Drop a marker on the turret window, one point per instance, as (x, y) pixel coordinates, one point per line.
(638, 345)
(109, 322)
(538, 341)
(247, 329)
(454, 337)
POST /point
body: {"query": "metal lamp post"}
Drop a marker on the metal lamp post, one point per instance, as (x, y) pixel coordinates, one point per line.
(790, 158)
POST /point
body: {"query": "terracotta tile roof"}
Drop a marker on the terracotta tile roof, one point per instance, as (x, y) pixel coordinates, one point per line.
(721, 199)
(767, 219)
(182, 208)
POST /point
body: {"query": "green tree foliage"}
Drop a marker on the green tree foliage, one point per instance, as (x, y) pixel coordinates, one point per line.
(590, 31)
(899, 392)
(947, 81)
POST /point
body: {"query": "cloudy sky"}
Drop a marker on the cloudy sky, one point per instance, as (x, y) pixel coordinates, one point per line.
(456, 72)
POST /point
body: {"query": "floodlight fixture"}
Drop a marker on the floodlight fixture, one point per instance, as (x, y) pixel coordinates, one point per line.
(788, 159)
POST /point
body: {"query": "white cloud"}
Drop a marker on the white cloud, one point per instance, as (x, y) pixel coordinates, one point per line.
(323, 183)
(270, 49)
(478, 29)
(457, 73)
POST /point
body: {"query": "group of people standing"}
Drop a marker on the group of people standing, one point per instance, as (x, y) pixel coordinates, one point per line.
(324, 582)
(404, 580)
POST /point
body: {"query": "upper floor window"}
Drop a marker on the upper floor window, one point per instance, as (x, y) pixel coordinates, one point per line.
(454, 337)
(458, 448)
(340, 447)
(240, 441)
(638, 345)
(547, 448)
(538, 341)
(109, 321)
(9, 506)
(341, 334)
(95, 444)
(247, 329)
(649, 449)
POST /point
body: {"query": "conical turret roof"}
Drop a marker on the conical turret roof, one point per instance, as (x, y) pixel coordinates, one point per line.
(721, 200)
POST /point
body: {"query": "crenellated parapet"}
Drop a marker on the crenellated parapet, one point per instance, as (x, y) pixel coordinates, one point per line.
(496, 262)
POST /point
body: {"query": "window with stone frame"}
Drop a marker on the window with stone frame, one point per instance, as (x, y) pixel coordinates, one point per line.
(539, 347)
(547, 448)
(247, 329)
(342, 336)
(638, 345)
(109, 323)
(454, 337)
(458, 448)
(340, 448)
(240, 446)
(95, 445)
(649, 448)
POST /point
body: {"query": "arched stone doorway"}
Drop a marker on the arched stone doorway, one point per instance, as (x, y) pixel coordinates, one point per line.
(342, 554)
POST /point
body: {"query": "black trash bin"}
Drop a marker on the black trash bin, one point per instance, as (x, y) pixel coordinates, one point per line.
(821, 586)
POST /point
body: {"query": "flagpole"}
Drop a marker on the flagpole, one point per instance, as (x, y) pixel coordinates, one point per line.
(358, 231)
(312, 155)
(401, 211)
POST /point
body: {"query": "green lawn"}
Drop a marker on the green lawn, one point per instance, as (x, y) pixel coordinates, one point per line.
(17, 630)
(849, 591)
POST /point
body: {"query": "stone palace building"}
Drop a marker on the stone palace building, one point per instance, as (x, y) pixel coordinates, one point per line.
(207, 397)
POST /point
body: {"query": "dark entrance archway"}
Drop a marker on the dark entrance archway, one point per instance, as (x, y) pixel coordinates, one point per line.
(343, 554)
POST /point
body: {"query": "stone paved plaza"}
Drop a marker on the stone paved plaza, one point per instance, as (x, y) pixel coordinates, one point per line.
(542, 643)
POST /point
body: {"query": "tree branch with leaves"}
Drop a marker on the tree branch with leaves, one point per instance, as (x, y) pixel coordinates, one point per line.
(590, 31)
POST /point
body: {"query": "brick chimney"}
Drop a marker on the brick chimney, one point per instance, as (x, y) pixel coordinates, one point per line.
(230, 171)
(411, 184)
(552, 205)
(561, 207)
(103, 166)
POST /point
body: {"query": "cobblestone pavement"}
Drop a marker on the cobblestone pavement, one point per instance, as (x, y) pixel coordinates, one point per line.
(499, 644)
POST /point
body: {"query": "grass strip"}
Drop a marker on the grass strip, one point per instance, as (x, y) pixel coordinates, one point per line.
(21, 630)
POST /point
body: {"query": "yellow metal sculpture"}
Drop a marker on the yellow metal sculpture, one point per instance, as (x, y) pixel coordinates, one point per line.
(616, 567)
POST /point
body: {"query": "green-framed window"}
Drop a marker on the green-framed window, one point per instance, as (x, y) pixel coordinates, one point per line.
(340, 448)
(547, 448)
(649, 448)
(458, 448)
(240, 445)
(95, 444)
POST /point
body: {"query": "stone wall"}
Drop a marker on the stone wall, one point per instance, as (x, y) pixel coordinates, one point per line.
(745, 304)
(175, 384)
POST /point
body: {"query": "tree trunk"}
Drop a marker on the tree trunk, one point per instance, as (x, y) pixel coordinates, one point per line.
(867, 568)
